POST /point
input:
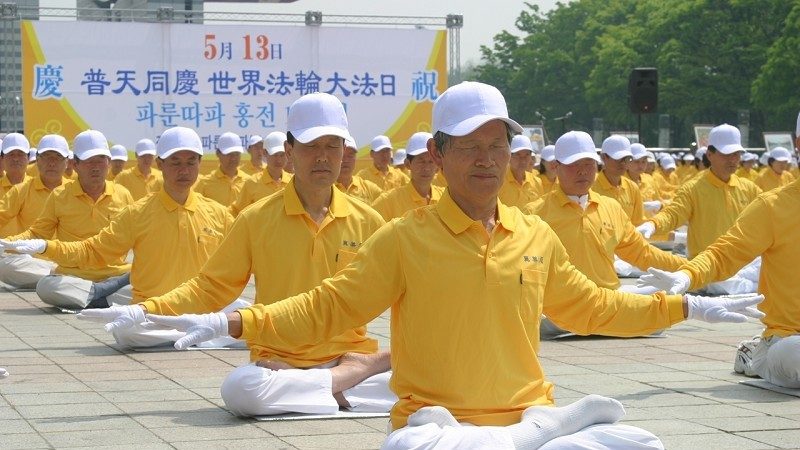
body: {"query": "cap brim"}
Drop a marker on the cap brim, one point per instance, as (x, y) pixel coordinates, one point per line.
(519, 149)
(416, 152)
(15, 147)
(619, 155)
(91, 153)
(307, 135)
(146, 152)
(578, 156)
(119, 158)
(732, 148)
(172, 151)
(234, 149)
(63, 153)
(467, 126)
(276, 149)
(782, 159)
(669, 166)
(548, 158)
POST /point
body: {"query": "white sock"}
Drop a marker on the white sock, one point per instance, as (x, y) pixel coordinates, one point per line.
(433, 414)
(541, 424)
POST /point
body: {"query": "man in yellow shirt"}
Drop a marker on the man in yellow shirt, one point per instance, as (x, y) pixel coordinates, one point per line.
(351, 184)
(141, 180)
(747, 170)
(710, 204)
(14, 157)
(32, 170)
(255, 147)
(520, 186)
(270, 180)
(665, 179)
(419, 191)
(119, 157)
(291, 242)
(75, 211)
(776, 174)
(399, 161)
(381, 172)
(616, 156)
(547, 169)
(172, 234)
(637, 172)
(768, 227)
(224, 183)
(466, 280)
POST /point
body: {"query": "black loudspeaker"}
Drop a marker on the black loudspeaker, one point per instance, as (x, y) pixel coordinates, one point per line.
(643, 90)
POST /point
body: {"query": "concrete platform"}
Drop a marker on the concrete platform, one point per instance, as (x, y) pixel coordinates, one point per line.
(71, 386)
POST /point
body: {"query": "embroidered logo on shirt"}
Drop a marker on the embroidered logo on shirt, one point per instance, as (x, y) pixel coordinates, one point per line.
(533, 259)
(351, 244)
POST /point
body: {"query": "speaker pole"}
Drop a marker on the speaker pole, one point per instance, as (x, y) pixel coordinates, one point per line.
(641, 141)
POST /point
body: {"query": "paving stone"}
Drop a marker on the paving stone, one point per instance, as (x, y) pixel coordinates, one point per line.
(351, 441)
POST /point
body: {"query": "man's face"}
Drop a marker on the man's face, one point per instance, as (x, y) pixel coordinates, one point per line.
(180, 170)
(637, 166)
(724, 165)
(229, 162)
(578, 177)
(93, 170)
(521, 160)
(145, 161)
(117, 165)
(51, 165)
(779, 166)
(748, 164)
(277, 161)
(15, 161)
(318, 162)
(348, 162)
(422, 167)
(615, 168)
(257, 152)
(381, 158)
(475, 165)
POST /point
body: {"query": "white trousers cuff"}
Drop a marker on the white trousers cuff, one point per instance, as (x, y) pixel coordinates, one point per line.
(64, 291)
(24, 271)
(777, 360)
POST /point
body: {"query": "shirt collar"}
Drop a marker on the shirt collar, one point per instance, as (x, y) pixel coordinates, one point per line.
(172, 205)
(293, 206)
(602, 180)
(715, 181)
(457, 221)
(562, 198)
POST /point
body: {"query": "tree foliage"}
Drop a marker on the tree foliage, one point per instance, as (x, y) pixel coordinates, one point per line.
(714, 58)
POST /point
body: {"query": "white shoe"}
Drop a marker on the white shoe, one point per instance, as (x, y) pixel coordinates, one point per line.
(744, 357)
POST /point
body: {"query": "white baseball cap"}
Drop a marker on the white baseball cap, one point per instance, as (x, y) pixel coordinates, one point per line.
(314, 115)
(575, 145)
(549, 153)
(274, 142)
(617, 147)
(32, 154)
(521, 142)
(176, 139)
(118, 153)
(700, 152)
(229, 143)
(688, 157)
(726, 139)
(15, 141)
(53, 143)
(351, 143)
(780, 154)
(747, 156)
(638, 151)
(399, 157)
(418, 143)
(90, 143)
(764, 158)
(380, 142)
(145, 147)
(667, 162)
(254, 139)
(71, 155)
(463, 108)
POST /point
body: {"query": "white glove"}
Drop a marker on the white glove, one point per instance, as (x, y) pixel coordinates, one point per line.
(672, 282)
(115, 317)
(198, 327)
(28, 246)
(647, 229)
(652, 206)
(721, 309)
(3, 373)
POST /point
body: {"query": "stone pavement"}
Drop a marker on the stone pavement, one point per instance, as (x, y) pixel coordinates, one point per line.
(70, 386)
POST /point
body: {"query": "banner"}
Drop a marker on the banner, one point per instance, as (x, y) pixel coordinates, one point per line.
(134, 80)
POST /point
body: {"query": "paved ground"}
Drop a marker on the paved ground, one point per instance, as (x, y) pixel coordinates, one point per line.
(70, 386)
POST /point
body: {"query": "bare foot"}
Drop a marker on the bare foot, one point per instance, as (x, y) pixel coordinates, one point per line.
(354, 368)
(274, 365)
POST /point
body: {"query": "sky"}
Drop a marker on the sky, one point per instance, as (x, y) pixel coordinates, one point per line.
(482, 18)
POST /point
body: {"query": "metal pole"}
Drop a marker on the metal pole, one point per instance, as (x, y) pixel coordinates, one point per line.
(641, 139)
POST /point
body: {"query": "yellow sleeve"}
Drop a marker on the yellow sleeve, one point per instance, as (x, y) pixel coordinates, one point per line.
(676, 213)
(10, 205)
(373, 190)
(353, 297)
(634, 249)
(103, 249)
(44, 227)
(383, 205)
(637, 215)
(750, 236)
(575, 303)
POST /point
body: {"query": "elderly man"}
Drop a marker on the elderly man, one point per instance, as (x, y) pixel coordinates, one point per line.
(353, 184)
(141, 180)
(419, 191)
(466, 280)
(14, 158)
(776, 173)
(119, 157)
(292, 241)
(381, 172)
(616, 156)
(76, 211)
(268, 181)
(224, 183)
(520, 187)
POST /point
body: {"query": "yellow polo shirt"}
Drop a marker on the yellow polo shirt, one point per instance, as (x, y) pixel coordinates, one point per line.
(392, 179)
(748, 174)
(666, 185)
(514, 193)
(627, 194)
(647, 187)
(221, 188)
(135, 182)
(11, 227)
(22, 204)
(769, 180)
(547, 185)
(361, 189)
(278, 242)
(593, 236)
(709, 205)
(32, 170)
(767, 227)
(249, 169)
(256, 188)
(69, 215)
(439, 180)
(399, 201)
(465, 306)
(170, 242)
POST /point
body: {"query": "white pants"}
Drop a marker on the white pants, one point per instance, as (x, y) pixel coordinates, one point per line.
(777, 360)
(596, 437)
(744, 282)
(256, 391)
(122, 297)
(140, 337)
(24, 271)
(64, 291)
